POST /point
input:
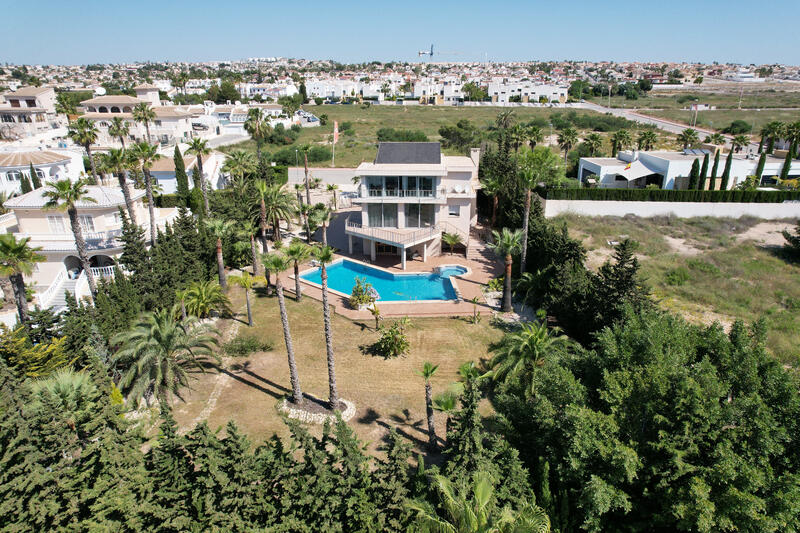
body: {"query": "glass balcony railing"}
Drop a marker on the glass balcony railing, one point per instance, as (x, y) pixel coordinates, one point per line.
(399, 193)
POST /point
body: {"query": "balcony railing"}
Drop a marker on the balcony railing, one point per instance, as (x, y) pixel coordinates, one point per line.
(397, 193)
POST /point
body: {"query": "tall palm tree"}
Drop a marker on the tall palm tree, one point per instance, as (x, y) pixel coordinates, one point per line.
(249, 230)
(120, 129)
(567, 139)
(65, 195)
(238, 163)
(305, 212)
(202, 297)
(118, 160)
(332, 188)
(688, 137)
(199, 147)
(771, 132)
(279, 263)
(305, 148)
(427, 372)
(447, 403)
(537, 165)
(593, 142)
(220, 229)
(476, 511)
(715, 138)
(739, 142)
(506, 244)
(157, 352)
(321, 217)
(84, 132)
(16, 260)
(147, 154)
(492, 185)
(647, 140)
(504, 119)
(521, 354)
(144, 114)
(517, 134)
(324, 254)
(278, 205)
(534, 135)
(257, 125)
(247, 282)
(298, 252)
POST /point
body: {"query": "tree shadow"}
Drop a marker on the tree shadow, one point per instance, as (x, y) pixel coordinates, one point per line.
(402, 426)
(280, 393)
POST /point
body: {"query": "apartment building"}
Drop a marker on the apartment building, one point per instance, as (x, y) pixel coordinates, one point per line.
(409, 196)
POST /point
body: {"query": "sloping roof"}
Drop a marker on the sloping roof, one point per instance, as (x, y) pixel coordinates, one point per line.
(29, 91)
(637, 170)
(113, 99)
(409, 153)
(23, 159)
(145, 87)
(103, 196)
(167, 164)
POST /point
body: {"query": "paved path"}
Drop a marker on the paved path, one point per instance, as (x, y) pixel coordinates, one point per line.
(228, 138)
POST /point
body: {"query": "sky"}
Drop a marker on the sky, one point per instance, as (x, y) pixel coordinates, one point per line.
(113, 31)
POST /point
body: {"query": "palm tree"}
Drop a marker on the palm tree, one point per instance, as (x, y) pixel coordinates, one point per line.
(537, 165)
(428, 370)
(238, 163)
(504, 119)
(518, 135)
(18, 259)
(593, 142)
(257, 125)
(180, 295)
(278, 263)
(118, 161)
(199, 147)
(567, 139)
(305, 148)
(324, 254)
(246, 282)
(739, 142)
(688, 137)
(157, 352)
(620, 140)
(84, 133)
(120, 129)
(144, 114)
(203, 297)
(297, 252)
(278, 205)
(534, 135)
(451, 239)
(506, 244)
(220, 229)
(321, 216)
(332, 188)
(521, 354)
(305, 215)
(647, 140)
(476, 511)
(147, 154)
(715, 138)
(491, 186)
(447, 403)
(65, 195)
(249, 230)
(771, 132)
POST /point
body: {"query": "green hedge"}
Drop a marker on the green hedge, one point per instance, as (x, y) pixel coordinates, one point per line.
(657, 195)
(167, 200)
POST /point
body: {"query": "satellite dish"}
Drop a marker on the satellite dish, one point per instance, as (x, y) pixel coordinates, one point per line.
(100, 91)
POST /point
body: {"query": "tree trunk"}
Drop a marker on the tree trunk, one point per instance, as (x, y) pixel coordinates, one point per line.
(507, 286)
(263, 225)
(324, 234)
(297, 292)
(525, 222)
(18, 285)
(91, 162)
(335, 201)
(80, 244)
(148, 186)
(254, 252)
(308, 188)
(276, 230)
(333, 395)
(249, 310)
(308, 227)
(429, 411)
(495, 200)
(202, 182)
(297, 394)
(147, 130)
(223, 281)
(123, 184)
(8, 290)
(183, 309)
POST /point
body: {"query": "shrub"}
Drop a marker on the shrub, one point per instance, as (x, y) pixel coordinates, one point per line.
(393, 341)
(363, 293)
(677, 276)
(244, 345)
(391, 134)
(495, 285)
(702, 266)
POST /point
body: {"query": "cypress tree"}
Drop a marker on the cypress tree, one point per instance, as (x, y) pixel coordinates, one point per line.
(726, 174)
(787, 163)
(714, 170)
(181, 178)
(35, 181)
(703, 173)
(25, 184)
(694, 175)
(760, 168)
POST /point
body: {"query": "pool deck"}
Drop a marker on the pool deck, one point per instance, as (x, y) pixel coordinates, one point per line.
(483, 267)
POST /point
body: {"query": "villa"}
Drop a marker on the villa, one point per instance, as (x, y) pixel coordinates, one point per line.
(50, 230)
(48, 165)
(409, 196)
(28, 111)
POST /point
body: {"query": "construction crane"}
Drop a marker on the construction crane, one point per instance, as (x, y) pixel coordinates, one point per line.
(426, 53)
(429, 53)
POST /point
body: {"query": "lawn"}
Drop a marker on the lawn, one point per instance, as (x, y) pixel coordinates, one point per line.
(720, 119)
(710, 269)
(759, 99)
(386, 392)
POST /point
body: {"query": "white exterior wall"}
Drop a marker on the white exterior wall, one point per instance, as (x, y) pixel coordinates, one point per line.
(772, 211)
(70, 169)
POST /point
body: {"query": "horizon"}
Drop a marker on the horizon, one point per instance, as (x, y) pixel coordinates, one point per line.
(473, 33)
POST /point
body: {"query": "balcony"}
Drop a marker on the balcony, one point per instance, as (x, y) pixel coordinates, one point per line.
(395, 194)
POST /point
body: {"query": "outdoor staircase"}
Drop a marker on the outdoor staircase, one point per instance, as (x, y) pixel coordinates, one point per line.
(59, 301)
(478, 249)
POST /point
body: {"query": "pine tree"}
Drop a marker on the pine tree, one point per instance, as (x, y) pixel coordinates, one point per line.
(694, 175)
(392, 478)
(714, 170)
(35, 180)
(726, 174)
(25, 184)
(78, 321)
(137, 262)
(787, 163)
(182, 181)
(117, 304)
(465, 441)
(43, 325)
(703, 174)
(762, 160)
(206, 478)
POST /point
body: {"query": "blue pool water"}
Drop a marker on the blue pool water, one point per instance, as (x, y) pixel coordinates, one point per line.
(390, 287)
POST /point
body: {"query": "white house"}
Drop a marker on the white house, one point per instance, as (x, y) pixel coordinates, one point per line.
(48, 165)
(28, 111)
(163, 171)
(409, 196)
(502, 91)
(670, 170)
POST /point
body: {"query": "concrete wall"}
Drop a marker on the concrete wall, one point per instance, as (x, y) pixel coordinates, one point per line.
(771, 211)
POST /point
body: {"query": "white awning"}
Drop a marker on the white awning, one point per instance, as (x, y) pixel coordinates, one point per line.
(637, 170)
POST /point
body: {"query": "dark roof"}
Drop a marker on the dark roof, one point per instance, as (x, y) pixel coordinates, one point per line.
(408, 153)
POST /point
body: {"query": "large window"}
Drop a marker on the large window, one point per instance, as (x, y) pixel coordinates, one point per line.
(419, 215)
(14, 176)
(87, 223)
(375, 185)
(56, 224)
(392, 185)
(382, 215)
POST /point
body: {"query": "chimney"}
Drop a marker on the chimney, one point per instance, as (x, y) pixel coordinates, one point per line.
(475, 155)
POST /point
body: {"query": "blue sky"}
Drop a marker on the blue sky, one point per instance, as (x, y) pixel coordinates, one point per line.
(89, 31)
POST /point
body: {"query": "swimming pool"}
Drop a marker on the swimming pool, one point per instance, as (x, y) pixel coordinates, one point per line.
(391, 287)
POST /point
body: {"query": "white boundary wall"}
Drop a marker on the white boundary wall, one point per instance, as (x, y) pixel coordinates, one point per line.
(772, 211)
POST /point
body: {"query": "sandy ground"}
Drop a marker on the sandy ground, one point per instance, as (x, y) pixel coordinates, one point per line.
(767, 233)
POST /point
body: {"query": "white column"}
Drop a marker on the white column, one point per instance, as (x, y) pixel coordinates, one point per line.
(372, 250)
(425, 252)
(403, 256)
(350, 244)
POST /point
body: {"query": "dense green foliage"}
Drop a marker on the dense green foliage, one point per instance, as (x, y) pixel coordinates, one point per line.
(659, 195)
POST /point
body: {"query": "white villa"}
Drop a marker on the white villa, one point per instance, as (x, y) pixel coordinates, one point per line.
(28, 111)
(670, 170)
(50, 229)
(48, 165)
(409, 196)
(163, 172)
